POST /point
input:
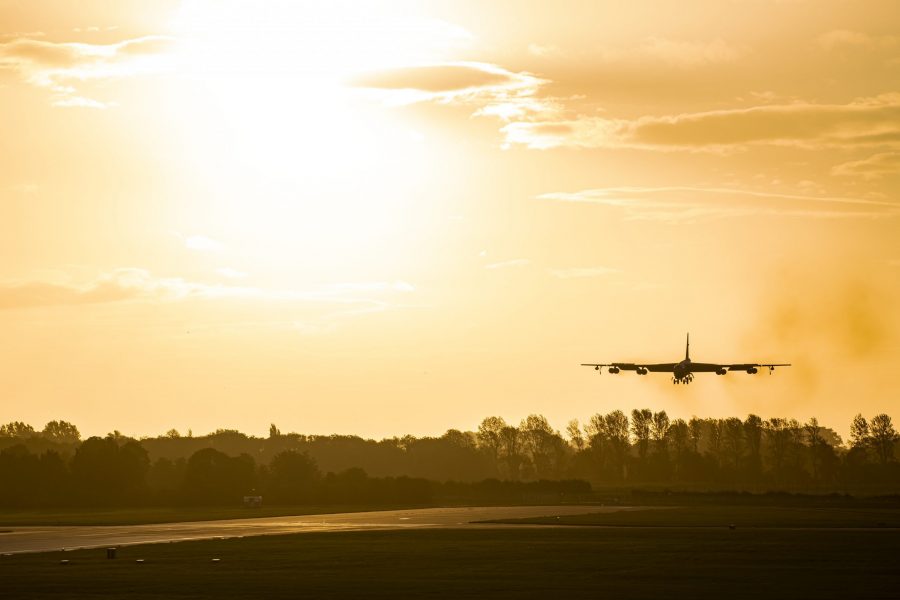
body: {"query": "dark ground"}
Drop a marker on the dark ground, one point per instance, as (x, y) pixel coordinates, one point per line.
(772, 555)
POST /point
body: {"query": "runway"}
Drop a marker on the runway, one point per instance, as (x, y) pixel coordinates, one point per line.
(49, 538)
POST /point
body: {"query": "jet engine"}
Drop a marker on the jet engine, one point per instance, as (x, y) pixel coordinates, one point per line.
(721, 371)
(752, 371)
(614, 370)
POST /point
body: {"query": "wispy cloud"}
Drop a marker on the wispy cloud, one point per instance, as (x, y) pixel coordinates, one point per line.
(60, 66)
(138, 284)
(873, 167)
(506, 264)
(686, 204)
(863, 122)
(491, 89)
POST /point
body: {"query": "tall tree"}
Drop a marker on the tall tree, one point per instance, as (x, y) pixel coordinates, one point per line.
(859, 433)
(659, 430)
(512, 451)
(753, 426)
(733, 438)
(814, 441)
(615, 430)
(542, 444)
(883, 436)
(640, 427)
(490, 436)
(573, 429)
(696, 427)
(681, 443)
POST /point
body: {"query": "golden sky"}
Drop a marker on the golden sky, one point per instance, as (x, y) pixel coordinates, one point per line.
(400, 217)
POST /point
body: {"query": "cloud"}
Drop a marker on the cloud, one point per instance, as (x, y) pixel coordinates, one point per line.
(578, 272)
(691, 204)
(138, 284)
(873, 167)
(57, 66)
(863, 122)
(493, 89)
(544, 50)
(516, 262)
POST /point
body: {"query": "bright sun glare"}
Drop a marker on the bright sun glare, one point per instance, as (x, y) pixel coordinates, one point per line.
(298, 160)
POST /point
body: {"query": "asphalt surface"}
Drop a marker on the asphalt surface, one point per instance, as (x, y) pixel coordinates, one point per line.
(49, 538)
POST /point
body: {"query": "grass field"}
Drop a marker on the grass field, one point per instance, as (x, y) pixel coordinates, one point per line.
(725, 516)
(760, 558)
(141, 516)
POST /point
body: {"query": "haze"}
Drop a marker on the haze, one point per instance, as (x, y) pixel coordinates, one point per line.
(388, 218)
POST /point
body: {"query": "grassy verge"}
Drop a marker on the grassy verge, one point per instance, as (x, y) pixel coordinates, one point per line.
(724, 516)
(141, 516)
(519, 563)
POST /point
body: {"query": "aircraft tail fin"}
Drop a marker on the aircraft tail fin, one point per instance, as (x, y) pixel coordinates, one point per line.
(687, 348)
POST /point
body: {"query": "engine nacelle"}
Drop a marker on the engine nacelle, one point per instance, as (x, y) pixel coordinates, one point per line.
(614, 370)
(752, 371)
(721, 371)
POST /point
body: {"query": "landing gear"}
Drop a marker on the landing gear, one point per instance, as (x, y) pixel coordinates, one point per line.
(685, 380)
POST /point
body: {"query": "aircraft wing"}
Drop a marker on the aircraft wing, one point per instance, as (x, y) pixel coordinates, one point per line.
(713, 367)
(653, 368)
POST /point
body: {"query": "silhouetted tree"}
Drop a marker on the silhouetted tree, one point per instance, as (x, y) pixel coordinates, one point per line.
(61, 432)
(293, 477)
(490, 437)
(753, 431)
(615, 430)
(883, 436)
(680, 434)
(573, 429)
(166, 477)
(733, 438)
(597, 442)
(212, 477)
(512, 452)
(543, 445)
(640, 428)
(659, 431)
(106, 473)
(715, 433)
(814, 441)
(17, 429)
(696, 427)
(859, 433)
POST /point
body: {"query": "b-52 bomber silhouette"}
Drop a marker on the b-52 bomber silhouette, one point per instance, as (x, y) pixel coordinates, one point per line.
(683, 372)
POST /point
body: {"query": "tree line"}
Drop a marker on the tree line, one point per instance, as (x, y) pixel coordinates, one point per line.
(54, 467)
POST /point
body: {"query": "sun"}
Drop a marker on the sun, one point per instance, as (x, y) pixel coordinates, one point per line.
(288, 158)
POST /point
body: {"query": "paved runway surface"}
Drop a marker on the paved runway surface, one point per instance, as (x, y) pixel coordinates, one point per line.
(47, 538)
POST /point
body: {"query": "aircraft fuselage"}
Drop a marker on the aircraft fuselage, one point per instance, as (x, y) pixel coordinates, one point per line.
(682, 369)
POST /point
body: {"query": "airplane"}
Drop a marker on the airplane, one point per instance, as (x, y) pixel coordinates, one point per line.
(683, 372)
